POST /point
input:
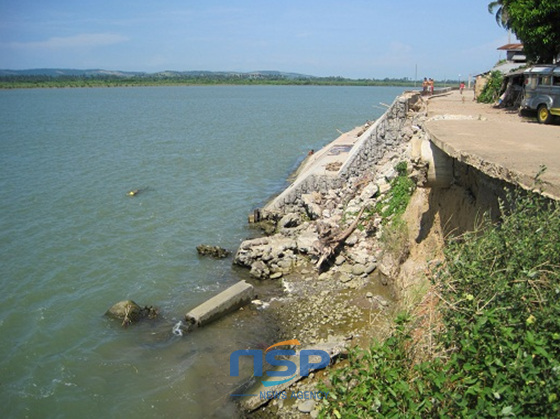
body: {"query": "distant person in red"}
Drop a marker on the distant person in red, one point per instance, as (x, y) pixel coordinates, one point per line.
(431, 85)
(461, 87)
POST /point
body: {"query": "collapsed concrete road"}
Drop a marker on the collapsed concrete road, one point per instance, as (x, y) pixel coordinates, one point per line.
(225, 302)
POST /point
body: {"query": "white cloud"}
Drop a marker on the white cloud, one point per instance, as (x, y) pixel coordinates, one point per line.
(76, 41)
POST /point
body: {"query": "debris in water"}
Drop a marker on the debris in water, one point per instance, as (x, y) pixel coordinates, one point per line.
(178, 328)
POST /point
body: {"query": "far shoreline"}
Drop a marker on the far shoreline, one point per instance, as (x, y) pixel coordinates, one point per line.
(30, 82)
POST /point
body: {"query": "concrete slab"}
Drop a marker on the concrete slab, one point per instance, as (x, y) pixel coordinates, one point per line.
(332, 155)
(324, 164)
(229, 300)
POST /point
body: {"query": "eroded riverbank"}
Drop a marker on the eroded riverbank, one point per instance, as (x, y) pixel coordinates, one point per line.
(327, 246)
(354, 244)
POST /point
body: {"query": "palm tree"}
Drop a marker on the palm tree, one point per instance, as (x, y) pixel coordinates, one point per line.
(501, 7)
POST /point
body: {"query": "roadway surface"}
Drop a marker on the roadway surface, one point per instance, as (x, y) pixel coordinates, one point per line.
(496, 141)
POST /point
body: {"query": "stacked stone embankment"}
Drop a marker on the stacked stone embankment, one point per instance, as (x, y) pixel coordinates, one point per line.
(322, 202)
(349, 156)
(343, 300)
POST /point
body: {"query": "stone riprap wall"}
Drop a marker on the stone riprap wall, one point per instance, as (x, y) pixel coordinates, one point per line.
(314, 246)
(383, 136)
(302, 186)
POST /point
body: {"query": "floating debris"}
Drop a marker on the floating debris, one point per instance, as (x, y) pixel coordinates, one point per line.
(178, 328)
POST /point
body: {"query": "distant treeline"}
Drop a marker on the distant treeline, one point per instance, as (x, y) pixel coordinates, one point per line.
(46, 81)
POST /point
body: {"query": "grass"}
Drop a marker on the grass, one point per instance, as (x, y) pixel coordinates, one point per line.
(488, 341)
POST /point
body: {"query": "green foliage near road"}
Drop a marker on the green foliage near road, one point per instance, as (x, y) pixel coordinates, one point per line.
(392, 207)
(394, 238)
(491, 91)
(497, 352)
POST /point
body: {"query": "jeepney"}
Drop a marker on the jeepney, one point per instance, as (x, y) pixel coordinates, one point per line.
(542, 92)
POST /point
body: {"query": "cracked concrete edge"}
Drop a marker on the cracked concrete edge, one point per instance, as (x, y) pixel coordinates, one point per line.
(494, 170)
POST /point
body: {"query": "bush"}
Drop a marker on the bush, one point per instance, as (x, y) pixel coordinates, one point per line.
(500, 344)
(491, 91)
(398, 196)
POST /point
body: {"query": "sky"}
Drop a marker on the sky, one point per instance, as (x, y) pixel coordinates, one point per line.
(348, 38)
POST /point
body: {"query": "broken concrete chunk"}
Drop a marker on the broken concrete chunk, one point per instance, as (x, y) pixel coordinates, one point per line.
(369, 191)
(259, 270)
(229, 300)
(289, 221)
(384, 187)
(310, 203)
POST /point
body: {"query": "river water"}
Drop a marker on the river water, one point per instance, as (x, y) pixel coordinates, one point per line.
(73, 243)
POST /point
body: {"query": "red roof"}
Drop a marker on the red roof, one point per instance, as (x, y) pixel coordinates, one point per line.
(512, 47)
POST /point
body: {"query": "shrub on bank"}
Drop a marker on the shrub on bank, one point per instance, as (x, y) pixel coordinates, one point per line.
(398, 196)
(498, 351)
(491, 91)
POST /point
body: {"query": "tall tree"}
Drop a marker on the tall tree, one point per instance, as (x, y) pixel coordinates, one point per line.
(536, 23)
(501, 12)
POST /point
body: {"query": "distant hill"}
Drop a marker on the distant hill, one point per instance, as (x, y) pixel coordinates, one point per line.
(54, 72)
(58, 72)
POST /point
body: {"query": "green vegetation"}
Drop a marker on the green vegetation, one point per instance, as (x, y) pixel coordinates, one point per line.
(391, 208)
(398, 196)
(394, 238)
(494, 332)
(177, 79)
(491, 91)
(535, 23)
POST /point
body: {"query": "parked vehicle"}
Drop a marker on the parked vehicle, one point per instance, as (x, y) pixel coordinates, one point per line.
(542, 92)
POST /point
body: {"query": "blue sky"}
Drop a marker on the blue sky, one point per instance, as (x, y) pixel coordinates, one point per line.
(348, 38)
